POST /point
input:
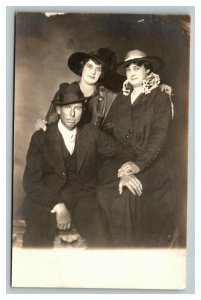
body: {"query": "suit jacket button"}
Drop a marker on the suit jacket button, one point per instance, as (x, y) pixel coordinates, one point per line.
(130, 131)
(127, 136)
(63, 173)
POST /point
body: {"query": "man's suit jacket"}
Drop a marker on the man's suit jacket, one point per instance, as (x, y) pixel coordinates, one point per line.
(45, 180)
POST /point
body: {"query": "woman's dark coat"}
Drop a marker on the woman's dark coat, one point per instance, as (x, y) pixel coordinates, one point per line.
(142, 127)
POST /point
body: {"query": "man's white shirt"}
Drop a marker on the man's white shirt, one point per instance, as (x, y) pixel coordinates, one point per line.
(69, 136)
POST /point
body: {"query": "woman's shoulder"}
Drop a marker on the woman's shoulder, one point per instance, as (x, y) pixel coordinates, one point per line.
(102, 90)
(121, 100)
(159, 92)
(162, 101)
(159, 96)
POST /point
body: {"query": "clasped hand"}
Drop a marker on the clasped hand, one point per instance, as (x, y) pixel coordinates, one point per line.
(128, 168)
(132, 183)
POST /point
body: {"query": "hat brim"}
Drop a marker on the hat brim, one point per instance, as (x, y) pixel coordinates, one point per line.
(74, 61)
(156, 63)
(56, 102)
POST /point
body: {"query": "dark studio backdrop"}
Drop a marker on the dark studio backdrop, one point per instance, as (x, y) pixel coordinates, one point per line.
(43, 45)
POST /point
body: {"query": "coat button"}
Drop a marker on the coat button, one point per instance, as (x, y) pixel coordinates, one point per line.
(63, 173)
(127, 136)
(130, 131)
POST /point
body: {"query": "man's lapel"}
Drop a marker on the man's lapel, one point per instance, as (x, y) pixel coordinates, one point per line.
(82, 141)
(53, 142)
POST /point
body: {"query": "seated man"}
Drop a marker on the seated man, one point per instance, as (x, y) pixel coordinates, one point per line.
(60, 178)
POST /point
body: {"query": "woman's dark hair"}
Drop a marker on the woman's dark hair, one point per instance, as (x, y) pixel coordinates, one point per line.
(85, 60)
(146, 64)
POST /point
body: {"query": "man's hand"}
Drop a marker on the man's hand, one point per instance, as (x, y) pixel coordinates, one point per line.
(128, 168)
(166, 88)
(126, 87)
(41, 124)
(132, 183)
(63, 216)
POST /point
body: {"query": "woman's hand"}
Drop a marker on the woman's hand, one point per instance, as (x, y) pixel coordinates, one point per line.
(132, 183)
(128, 169)
(41, 124)
(166, 88)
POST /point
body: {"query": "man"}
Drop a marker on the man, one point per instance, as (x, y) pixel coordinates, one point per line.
(60, 178)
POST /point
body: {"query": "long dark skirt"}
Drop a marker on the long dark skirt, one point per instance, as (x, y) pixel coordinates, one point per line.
(121, 215)
(146, 221)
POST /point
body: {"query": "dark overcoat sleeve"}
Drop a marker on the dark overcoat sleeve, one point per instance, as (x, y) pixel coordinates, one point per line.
(107, 145)
(33, 179)
(114, 151)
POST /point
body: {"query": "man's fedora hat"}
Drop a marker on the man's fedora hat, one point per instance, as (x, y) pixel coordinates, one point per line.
(69, 94)
(134, 56)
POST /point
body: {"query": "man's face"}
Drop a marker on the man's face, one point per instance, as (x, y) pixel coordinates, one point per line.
(70, 114)
(91, 72)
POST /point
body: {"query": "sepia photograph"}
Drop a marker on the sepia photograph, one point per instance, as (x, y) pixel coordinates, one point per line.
(100, 150)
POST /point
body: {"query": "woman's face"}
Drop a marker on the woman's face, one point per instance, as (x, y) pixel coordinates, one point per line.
(91, 72)
(136, 74)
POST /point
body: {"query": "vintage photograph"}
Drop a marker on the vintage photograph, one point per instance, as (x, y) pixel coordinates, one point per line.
(100, 146)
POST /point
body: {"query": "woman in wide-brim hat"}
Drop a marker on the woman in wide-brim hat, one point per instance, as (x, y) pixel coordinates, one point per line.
(103, 56)
(107, 59)
(140, 206)
(135, 56)
(98, 80)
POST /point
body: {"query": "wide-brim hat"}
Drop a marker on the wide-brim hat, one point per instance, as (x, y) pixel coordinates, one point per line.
(134, 56)
(69, 94)
(104, 56)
